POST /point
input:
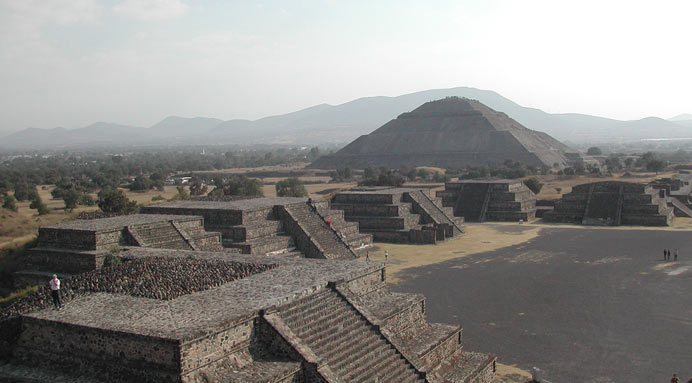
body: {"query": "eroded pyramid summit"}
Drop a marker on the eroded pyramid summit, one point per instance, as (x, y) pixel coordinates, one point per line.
(450, 133)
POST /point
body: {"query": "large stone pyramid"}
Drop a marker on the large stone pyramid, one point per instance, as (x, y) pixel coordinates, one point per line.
(452, 132)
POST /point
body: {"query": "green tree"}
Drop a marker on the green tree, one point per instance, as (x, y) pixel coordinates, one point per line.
(534, 184)
(141, 183)
(38, 204)
(594, 151)
(655, 165)
(9, 202)
(21, 191)
(182, 194)
(241, 185)
(291, 187)
(111, 200)
(613, 163)
(70, 197)
(197, 186)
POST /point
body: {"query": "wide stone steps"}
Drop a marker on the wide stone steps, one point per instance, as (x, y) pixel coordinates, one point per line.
(338, 334)
(328, 240)
(433, 210)
(162, 236)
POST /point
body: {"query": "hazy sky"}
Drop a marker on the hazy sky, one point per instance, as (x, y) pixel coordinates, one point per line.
(73, 62)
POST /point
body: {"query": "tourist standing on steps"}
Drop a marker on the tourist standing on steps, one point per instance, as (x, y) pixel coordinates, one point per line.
(55, 291)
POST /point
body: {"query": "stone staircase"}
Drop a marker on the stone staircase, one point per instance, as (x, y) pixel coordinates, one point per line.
(681, 210)
(438, 215)
(342, 338)
(350, 230)
(162, 235)
(320, 235)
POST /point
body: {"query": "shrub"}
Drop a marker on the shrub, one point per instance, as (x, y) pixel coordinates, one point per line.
(113, 200)
(9, 202)
(534, 184)
(291, 187)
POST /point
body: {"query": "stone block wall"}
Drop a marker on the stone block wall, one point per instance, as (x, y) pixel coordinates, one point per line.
(367, 282)
(62, 261)
(442, 350)
(121, 356)
(206, 351)
(66, 239)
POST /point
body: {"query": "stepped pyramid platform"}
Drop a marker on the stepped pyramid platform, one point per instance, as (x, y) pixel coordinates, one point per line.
(282, 225)
(450, 133)
(399, 215)
(81, 245)
(489, 200)
(612, 203)
(679, 192)
(271, 319)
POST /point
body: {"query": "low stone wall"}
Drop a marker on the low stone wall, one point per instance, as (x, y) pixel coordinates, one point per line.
(66, 239)
(423, 236)
(214, 347)
(367, 282)
(368, 210)
(117, 355)
(367, 198)
(62, 261)
(442, 350)
(413, 315)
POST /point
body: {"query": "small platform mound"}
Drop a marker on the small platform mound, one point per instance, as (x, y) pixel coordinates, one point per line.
(398, 215)
(612, 203)
(489, 200)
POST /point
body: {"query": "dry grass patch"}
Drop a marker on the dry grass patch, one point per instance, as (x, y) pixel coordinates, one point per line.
(478, 238)
(510, 374)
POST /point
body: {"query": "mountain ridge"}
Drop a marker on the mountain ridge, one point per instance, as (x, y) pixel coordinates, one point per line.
(336, 124)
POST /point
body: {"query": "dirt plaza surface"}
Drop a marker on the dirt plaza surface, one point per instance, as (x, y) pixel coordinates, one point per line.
(582, 304)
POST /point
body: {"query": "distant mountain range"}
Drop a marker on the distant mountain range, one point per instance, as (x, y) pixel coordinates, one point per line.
(343, 123)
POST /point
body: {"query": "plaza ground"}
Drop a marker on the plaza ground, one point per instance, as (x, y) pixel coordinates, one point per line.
(584, 304)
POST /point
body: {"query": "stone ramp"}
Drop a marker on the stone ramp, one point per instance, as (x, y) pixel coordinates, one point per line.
(159, 235)
(315, 232)
(338, 335)
(433, 211)
(681, 210)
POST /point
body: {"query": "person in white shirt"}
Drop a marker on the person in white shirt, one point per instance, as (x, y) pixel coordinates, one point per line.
(55, 291)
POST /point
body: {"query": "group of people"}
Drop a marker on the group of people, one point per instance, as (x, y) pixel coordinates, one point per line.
(666, 255)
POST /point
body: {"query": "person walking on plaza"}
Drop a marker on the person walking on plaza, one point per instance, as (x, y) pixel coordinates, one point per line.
(665, 254)
(367, 256)
(55, 291)
(675, 256)
(386, 255)
(675, 379)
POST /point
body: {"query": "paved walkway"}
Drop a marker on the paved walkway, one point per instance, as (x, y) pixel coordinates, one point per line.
(584, 305)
